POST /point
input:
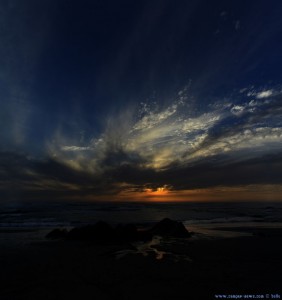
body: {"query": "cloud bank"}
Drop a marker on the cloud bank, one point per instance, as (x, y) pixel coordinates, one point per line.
(236, 142)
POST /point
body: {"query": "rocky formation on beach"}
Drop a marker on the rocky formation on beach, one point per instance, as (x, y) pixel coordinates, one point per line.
(57, 233)
(170, 228)
(102, 232)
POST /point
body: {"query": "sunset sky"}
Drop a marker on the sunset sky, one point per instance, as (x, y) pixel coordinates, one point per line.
(152, 100)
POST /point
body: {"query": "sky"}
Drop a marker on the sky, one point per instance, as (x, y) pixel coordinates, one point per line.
(154, 100)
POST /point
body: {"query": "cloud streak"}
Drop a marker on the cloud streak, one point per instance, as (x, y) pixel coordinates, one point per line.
(180, 147)
(179, 133)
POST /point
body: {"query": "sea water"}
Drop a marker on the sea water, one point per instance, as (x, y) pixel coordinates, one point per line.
(22, 223)
(50, 214)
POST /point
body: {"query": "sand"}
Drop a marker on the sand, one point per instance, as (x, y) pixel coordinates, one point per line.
(189, 269)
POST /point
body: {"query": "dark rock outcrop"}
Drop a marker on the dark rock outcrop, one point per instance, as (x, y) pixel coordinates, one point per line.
(100, 232)
(127, 232)
(170, 228)
(130, 233)
(57, 234)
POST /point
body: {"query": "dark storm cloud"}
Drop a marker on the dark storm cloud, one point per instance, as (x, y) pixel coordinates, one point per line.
(28, 177)
(207, 173)
(44, 179)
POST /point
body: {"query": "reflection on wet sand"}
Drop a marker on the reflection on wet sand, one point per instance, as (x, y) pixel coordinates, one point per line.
(153, 248)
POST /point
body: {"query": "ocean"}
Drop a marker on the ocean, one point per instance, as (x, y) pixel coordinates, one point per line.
(23, 223)
(69, 213)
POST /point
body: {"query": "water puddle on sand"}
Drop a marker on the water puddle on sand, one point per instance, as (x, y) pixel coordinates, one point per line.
(148, 249)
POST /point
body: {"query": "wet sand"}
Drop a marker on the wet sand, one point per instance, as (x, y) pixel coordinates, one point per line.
(192, 268)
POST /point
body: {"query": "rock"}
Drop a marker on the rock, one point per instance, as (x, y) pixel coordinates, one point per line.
(100, 232)
(145, 236)
(130, 233)
(126, 232)
(57, 233)
(168, 227)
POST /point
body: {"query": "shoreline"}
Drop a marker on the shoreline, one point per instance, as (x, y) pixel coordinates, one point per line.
(43, 269)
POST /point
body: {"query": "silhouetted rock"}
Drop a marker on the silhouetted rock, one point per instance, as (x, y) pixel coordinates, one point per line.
(126, 232)
(101, 232)
(130, 233)
(57, 234)
(168, 227)
(145, 235)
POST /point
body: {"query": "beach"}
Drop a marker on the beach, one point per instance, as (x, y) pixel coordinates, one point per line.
(190, 268)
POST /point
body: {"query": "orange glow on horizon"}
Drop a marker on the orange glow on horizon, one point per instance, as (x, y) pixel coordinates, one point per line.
(160, 191)
(265, 193)
(240, 193)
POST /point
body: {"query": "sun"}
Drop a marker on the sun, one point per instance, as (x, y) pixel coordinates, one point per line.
(160, 191)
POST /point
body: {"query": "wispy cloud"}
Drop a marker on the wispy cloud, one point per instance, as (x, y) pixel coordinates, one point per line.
(229, 143)
(264, 94)
(175, 134)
